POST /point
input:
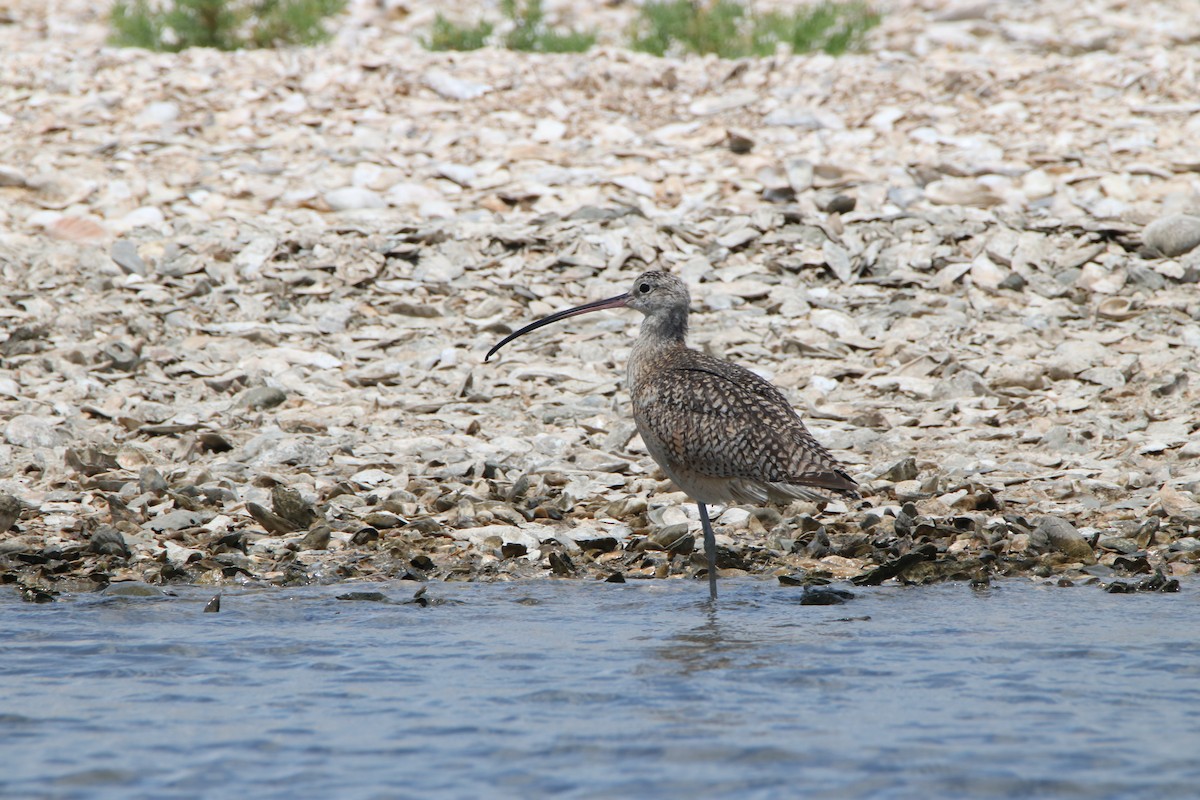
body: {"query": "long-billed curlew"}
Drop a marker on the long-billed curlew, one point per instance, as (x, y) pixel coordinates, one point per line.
(719, 431)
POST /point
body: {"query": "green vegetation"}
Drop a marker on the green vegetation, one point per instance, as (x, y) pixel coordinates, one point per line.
(447, 35)
(531, 35)
(729, 29)
(175, 25)
(529, 32)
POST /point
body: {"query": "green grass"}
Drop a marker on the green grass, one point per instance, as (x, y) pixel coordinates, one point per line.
(529, 32)
(447, 35)
(728, 29)
(224, 24)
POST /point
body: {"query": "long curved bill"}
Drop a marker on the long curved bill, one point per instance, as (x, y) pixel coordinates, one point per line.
(613, 302)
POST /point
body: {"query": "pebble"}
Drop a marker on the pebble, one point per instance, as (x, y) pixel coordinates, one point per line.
(125, 254)
(349, 198)
(1062, 536)
(27, 430)
(1173, 235)
(453, 88)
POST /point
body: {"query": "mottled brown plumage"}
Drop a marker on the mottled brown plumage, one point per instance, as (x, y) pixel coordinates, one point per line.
(719, 431)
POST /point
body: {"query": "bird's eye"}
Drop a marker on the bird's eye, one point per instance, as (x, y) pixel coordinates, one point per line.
(644, 288)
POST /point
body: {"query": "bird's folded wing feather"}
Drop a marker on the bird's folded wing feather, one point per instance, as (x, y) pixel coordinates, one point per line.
(718, 419)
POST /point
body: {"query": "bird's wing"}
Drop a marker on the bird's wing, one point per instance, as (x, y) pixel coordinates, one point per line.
(720, 420)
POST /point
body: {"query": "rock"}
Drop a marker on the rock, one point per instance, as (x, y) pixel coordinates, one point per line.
(1173, 235)
(961, 192)
(289, 504)
(804, 118)
(125, 254)
(261, 398)
(132, 589)
(157, 113)
(453, 88)
(549, 130)
(353, 197)
(905, 470)
(10, 511)
(1073, 357)
(317, 538)
(176, 520)
(1063, 537)
(27, 430)
(107, 540)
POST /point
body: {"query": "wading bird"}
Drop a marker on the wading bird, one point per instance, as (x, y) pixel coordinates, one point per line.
(720, 432)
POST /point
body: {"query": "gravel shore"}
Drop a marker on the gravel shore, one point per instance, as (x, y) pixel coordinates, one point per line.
(246, 298)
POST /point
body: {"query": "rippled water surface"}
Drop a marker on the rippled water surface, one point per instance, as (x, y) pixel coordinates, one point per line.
(601, 690)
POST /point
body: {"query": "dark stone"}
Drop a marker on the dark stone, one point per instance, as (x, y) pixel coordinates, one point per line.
(824, 596)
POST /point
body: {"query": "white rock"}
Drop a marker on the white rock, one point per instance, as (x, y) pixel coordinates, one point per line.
(453, 88)
(1173, 235)
(461, 174)
(407, 193)
(986, 274)
(804, 118)
(157, 114)
(834, 322)
(144, 217)
(353, 197)
(1036, 184)
(549, 130)
(1096, 278)
(250, 258)
(722, 101)
(27, 430)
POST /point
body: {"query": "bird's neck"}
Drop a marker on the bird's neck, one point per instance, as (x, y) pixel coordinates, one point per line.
(658, 337)
(666, 328)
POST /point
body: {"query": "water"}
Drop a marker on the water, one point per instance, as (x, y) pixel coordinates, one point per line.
(589, 690)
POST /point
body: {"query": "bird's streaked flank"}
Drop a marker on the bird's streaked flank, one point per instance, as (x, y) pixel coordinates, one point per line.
(720, 432)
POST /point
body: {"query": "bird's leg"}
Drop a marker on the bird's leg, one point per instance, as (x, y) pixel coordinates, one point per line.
(710, 550)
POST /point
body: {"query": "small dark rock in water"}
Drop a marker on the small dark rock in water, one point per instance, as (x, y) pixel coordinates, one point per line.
(108, 541)
(366, 597)
(214, 605)
(895, 567)
(419, 599)
(132, 589)
(793, 580)
(825, 596)
(32, 594)
(1157, 583)
(616, 577)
